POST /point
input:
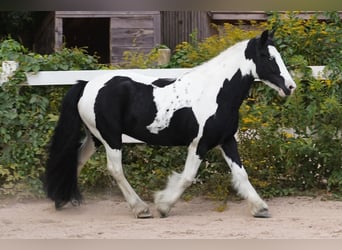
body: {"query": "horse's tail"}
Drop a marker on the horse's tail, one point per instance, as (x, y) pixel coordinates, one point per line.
(61, 168)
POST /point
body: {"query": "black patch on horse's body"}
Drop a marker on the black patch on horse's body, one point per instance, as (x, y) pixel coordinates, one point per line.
(162, 82)
(124, 106)
(222, 125)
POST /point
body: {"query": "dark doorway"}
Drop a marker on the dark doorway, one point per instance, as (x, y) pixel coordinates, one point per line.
(92, 33)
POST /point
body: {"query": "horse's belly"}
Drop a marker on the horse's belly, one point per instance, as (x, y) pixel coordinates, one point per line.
(181, 130)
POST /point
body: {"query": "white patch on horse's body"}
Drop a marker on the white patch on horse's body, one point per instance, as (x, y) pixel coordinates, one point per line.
(87, 102)
(198, 88)
(168, 100)
(86, 150)
(289, 83)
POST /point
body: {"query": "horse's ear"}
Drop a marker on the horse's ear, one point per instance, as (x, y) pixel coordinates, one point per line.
(264, 38)
(271, 34)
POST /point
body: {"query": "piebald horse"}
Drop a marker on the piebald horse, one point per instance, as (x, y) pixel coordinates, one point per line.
(199, 109)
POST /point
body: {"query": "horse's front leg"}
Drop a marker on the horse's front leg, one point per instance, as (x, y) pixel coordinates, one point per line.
(177, 183)
(240, 180)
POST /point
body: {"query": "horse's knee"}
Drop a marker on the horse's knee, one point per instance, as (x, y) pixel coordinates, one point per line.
(187, 181)
(116, 172)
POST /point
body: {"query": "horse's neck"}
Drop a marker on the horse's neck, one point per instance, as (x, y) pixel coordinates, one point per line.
(210, 76)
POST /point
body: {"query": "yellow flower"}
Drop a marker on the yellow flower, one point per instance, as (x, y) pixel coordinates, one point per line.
(287, 135)
(328, 82)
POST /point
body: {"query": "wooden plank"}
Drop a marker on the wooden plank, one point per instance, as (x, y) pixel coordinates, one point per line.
(227, 15)
(157, 29)
(58, 33)
(90, 14)
(131, 33)
(258, 15)
(46, 78)
(126, 22)
(178, 25)
(124, 39)
(136, 41)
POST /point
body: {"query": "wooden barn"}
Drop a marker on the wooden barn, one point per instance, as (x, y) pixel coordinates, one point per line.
(106, 33)
(110, 33)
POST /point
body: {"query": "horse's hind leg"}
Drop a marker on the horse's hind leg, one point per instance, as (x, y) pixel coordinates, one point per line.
(140, 208)
(240, 180)
(86, 150)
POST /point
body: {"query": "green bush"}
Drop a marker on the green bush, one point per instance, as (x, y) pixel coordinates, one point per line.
(28, 114)
(190, 54)
(295, 143)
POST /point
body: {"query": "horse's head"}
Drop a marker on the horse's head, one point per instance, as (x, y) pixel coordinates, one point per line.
(270, 67)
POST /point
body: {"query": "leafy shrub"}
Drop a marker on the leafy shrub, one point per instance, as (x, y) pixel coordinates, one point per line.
(318, 41)
(190, 54)
(28, 114)
(138, 59)
(295, 143)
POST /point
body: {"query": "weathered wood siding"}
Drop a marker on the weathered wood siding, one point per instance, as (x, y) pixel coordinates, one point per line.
(176, 26)
(129, 30)
(134, 31)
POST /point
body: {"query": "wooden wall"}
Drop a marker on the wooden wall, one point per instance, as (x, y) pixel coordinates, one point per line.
(134, 31)
(129, 30)
(177, 25)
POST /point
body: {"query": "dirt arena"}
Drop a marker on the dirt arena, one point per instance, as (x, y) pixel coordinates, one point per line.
(110, 218)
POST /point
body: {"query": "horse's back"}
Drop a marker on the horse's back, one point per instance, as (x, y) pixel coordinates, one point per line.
(120, 104)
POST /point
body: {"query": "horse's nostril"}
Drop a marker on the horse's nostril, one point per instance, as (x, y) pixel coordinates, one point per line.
(291, 87)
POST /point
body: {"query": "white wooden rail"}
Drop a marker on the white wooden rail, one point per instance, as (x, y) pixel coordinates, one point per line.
(70, 77)
(48, 78)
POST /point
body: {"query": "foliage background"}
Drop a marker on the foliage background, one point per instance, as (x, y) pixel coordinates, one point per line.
(287, 145)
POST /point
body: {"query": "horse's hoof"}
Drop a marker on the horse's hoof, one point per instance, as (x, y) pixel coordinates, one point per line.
(145, 214)
(263, 213)
(75, 203)
(60, 204)
(163, 215)
(163, 210)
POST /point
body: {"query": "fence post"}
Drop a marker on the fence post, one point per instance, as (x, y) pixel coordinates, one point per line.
(7, 70)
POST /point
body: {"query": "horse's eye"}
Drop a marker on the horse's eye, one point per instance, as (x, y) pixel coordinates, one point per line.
(271, 58)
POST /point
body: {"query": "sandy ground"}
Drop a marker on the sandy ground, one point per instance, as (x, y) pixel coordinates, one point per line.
(110, 218)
